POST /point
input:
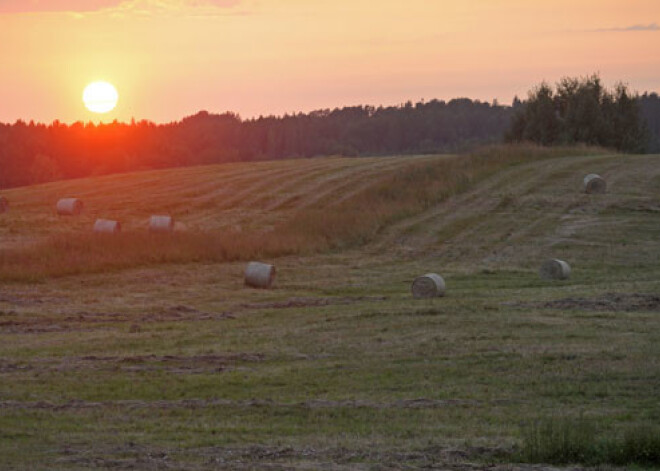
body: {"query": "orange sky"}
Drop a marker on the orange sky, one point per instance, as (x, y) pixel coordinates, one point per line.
(172, 58)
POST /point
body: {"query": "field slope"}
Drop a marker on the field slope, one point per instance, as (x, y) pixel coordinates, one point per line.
(143, 352)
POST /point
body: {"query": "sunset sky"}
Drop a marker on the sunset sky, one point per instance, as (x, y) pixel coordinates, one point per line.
(172, 58)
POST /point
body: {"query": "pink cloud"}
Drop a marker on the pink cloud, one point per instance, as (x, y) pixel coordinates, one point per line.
(176, 7)
(25, 6)
(217, 3)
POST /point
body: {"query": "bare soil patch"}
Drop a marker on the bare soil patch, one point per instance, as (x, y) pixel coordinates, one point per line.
(82, 320)
(170, 363)
(37, 326)
(28, 299)
(647, 205)
(171, 314)
(312, 302)
(139, 456)
(418, 403)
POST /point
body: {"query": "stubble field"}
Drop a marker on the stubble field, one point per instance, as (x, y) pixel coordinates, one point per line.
(147, 352)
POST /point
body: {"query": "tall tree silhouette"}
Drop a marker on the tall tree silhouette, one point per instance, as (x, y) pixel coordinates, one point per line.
(581, 110)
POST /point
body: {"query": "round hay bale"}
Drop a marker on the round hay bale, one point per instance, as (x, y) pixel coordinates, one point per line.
(4, 204)
(555, 270)
(430, 285)
(69, 207)
(106, 226)
(161, 224)
(259, 275)
(594, 183)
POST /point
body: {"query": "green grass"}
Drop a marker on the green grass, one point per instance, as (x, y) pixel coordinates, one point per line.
(413, 187)
(172, 362)
(566, 441)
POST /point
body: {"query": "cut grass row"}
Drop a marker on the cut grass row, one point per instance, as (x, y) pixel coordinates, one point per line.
(397, 194)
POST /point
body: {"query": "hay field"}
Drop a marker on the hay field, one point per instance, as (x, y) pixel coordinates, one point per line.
(151, 354)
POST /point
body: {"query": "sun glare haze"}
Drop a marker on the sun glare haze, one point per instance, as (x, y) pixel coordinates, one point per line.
(277, 56)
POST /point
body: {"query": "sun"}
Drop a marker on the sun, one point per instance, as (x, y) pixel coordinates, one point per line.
(100, 97)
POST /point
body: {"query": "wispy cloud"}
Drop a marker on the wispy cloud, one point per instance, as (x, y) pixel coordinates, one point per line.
(201, 8)
(639, 27)
(31, 6)
(140, 6)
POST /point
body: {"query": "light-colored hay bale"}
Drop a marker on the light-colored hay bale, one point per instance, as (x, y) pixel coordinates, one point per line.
(430, 285)
(4, 204)
(106, 226)
(594, 183)
(555, 270)
(259, 275)
(69, 207)
(161, 224)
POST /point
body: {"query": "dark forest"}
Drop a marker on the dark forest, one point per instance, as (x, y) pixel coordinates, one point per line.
(35, 153)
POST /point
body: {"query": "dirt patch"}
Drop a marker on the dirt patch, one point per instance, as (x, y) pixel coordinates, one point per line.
(36, 326)
(80, 321)
(171, 314)
(126, 456)
(419, 403)
(12, 367)
(29, 299)
(20, 301)
(312, 302)
(195, 364)
(192, 361)
(644, 205)
(139, 456)
(97, 317)
(185, 313)
(173, 358)
(607, 302)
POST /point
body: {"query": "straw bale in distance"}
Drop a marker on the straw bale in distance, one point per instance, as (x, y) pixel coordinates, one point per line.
(4, 204)
(594, 183)
(69, 207)
(430, 285)
(161, 224)
(106, 226)
(259, 275)
(555, 269)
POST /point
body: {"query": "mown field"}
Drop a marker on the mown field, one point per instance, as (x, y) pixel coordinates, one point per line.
(147, 352)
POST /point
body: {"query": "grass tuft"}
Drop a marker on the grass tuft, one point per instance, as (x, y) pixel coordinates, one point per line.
(579, 440)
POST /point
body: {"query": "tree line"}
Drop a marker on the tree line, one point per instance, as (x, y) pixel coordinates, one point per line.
(33, 153)
(583, 111)
(650, 106)
(579, 110)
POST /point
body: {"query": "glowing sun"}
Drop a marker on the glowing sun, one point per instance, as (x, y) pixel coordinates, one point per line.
(100, 97)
